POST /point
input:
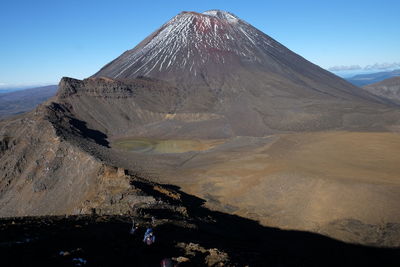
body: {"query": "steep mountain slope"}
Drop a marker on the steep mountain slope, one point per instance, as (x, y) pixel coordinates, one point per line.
(191, 48)
(389, 89)
(223, 65)
(21, 101)
(211, 77)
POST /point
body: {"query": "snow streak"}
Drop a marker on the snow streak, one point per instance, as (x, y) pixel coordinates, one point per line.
(191, 40)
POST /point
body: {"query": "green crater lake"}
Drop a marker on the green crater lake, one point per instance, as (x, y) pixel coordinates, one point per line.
(159, 146)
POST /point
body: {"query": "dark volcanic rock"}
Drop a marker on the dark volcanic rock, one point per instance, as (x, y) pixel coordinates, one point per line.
(186, 232)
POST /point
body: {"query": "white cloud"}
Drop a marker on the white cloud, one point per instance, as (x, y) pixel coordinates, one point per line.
(341, 68)
(382, 66)
(376, 66)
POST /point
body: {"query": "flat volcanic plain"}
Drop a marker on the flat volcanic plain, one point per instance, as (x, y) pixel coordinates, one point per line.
(316, 181)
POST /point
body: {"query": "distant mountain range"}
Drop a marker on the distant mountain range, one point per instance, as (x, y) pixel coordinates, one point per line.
(4, 91)
(16, 102)
(365, 79)
(389, 89)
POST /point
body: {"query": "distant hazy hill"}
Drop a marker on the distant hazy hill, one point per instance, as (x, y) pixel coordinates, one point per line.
(389, 88)
(4, 91)
(365, 79)
(16, 102)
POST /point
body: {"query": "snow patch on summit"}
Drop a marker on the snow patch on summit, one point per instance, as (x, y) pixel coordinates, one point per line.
(195, 42)
(222, 15)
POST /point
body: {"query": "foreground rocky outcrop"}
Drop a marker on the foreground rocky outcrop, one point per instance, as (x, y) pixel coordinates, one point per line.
(44, 174)
(186, 233)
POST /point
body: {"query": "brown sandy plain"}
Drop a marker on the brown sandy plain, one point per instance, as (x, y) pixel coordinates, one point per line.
(342, 184)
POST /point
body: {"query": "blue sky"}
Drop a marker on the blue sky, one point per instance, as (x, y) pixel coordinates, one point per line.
(41, 40)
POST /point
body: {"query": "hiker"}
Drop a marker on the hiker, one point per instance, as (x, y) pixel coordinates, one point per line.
(167, 262)
(134, 228)
(149, 237)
